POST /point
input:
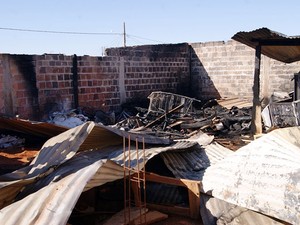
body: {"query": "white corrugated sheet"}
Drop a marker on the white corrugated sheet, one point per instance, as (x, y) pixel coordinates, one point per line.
(77, 160)
(52, 204)
(216, 211)
(53, 153)
(263, 176)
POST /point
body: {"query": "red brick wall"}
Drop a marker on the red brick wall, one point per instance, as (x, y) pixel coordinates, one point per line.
(54, 82)
(33, 86)
(144, 69)
(42, 84)
(153, 68)
(18, 90)
(98, 82)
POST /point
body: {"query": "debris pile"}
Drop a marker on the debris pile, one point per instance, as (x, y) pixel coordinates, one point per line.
(281, 111)
(187, 146)
(7, 141)
(170, 116)
(179, 117)
(68, 119)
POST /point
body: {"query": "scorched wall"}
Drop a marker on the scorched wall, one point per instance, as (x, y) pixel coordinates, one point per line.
(65, 82)
(32, 86)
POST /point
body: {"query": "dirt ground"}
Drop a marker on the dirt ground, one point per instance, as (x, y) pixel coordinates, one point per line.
(15, 157)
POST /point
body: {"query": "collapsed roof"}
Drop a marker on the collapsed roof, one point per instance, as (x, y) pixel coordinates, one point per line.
(262, 176)
(68, 164)
(91, 155)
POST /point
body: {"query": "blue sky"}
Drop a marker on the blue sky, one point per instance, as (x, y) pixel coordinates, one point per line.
(147, 22)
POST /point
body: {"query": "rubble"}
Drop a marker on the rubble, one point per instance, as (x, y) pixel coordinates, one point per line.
(68, 119)
(188, 136)
(281, 111)
(185, 141)
(171, 116)
(7, 141)
(179, 117)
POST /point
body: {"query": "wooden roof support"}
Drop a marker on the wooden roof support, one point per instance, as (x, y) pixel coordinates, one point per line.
(256, 124)
(192, 186)
(287, 50)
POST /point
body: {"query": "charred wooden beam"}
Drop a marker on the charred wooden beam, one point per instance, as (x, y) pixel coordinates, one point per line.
(75, 81)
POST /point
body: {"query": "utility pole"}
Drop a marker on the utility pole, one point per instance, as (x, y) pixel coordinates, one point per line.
(124, 34)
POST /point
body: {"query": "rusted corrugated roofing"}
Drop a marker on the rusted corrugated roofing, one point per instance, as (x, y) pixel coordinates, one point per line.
(262, 176)
(273, 44)
(40, 129)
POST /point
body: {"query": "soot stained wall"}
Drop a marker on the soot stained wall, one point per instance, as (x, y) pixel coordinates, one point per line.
(103, 83)
(34, 85)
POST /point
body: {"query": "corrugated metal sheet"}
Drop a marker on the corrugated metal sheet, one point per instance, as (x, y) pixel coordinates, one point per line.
(29, 127)
(165, 194)
(288, 51)
(48, 189)
(216, 211)
(230, 102)
(63, 147)
(262, 176)
(54, 152)
(140, 136)
(52, 204)
(78, 162)
(42, 129)
(191, 164)
(137, 155)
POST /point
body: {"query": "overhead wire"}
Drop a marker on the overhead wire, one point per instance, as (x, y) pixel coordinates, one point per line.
(60, 32)
(137, 38)
(129, 35)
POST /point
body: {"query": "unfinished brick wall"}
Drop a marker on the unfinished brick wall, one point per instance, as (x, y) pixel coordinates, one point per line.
(226, 69)
(18, 86)
(33, 86)
(98, 82)
(54, 82)
(280, 75)
(38, 85)
(153, 68)
(131, 73)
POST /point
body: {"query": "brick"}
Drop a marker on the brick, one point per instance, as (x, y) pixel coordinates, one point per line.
(42, 70)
